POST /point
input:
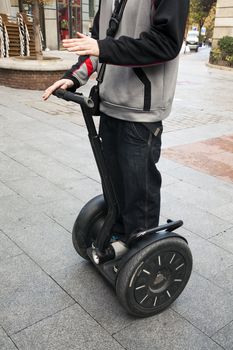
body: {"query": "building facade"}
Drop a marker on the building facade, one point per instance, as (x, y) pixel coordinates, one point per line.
(59, 19)
(223, 20)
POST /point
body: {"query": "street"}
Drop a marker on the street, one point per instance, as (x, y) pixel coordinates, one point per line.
(50, 298)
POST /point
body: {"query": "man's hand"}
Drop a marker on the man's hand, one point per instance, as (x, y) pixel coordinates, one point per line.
(83, 45)
(60, 84)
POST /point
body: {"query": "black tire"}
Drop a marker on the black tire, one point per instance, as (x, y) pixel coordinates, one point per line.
(153, 278)
(88, 224)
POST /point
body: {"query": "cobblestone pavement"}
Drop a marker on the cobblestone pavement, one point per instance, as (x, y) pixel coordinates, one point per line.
(49, 297)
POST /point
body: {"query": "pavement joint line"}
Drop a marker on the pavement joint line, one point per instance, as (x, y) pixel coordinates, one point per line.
(15, 160)
(12, 256)
(119, 342)
(122, 329)
(167, 172)
(207, 239)
(5, 184)
(40, 267)
(27, 114)
(31, 202)
(8, 336)
(219, 330)
(82, 307)
(49, 316)
(46, 155)
(206, 335)
(205, 211)
(58, 223)
(65, 291)
(217, 285)
(47, 201)
(219, 233)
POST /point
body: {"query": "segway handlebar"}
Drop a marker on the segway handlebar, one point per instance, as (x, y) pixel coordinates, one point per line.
(74, 97)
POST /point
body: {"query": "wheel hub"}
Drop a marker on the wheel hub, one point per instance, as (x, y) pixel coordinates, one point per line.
(160, 281)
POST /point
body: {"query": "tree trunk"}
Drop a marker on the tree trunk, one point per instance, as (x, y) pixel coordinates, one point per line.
(201, 23)
(186, 28)
(36, 29)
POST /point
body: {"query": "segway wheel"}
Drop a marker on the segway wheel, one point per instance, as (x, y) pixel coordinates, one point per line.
(87, 225)
(153, 278)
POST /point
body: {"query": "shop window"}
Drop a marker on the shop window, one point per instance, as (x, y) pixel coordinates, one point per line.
(69, 16)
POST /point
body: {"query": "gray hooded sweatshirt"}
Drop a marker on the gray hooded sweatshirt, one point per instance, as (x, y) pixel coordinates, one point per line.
(142, 60)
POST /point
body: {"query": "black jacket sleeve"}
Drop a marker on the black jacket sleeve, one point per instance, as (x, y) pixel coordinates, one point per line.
(161, 43)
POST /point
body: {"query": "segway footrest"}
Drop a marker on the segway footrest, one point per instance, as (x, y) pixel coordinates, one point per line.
(169, 227)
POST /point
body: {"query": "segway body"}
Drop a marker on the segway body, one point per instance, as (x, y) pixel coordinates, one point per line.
(151, 268)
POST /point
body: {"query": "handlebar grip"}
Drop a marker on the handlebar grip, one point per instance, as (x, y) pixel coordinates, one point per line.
(74, 97)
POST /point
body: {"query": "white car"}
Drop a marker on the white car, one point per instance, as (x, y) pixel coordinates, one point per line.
(192, 40)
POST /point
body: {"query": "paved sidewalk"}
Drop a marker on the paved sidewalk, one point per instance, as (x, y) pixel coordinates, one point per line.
(49, 297)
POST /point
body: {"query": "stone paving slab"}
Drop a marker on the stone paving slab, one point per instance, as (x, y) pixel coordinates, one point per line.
(12, 170)
(59, 164)
(64, 212)
(55, 172)
(7, 248)
(225, 280)
(225, 212)
(210, 260)
(196, 134)
(205, 305)
(78, 157)
(94, 294)
(201, 198)
(5, 341)
(201, 222)
(166, 165)
(198, 179)
(92, 189)
(5, 190)
(28, 295)
(168, 180)
(213, 156)
(224, 240)
(37, 190)
(225, 337)
(71, 329)
(188, 119)
(165, 331)
(12, 209)
(46, 242)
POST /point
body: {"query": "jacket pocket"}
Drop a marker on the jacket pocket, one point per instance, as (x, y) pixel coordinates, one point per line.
(122, 88)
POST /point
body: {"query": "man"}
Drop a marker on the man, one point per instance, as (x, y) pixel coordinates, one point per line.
(136, 95)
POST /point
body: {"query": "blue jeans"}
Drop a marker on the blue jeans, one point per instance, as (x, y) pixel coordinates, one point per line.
(131, 151)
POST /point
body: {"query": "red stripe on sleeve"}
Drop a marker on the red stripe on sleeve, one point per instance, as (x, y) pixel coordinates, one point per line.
(89, 66)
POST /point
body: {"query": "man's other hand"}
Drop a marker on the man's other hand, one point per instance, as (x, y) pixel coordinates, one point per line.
(60, 84)
(82, 45)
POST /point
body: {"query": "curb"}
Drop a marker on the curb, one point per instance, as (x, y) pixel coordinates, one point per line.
(215, 66)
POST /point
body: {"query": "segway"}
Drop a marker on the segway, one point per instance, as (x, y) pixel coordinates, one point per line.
(151, 268)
